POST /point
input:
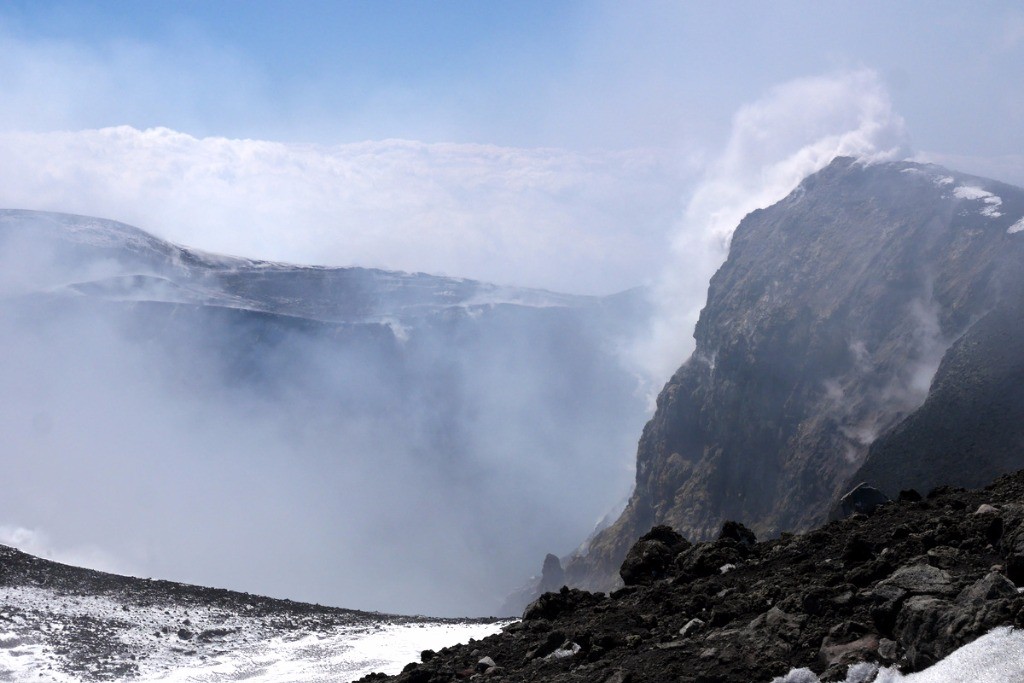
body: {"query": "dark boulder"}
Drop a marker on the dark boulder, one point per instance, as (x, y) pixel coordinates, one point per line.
(737, 532)
(651, 557)
(553, 605)
(863, 499)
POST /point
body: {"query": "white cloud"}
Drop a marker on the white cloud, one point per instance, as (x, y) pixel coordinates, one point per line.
(797, 128)
(590, 222)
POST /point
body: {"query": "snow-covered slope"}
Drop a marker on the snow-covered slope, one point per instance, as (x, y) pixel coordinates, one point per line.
(65, 624)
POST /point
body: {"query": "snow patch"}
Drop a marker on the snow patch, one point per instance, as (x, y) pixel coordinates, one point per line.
(997, 657)
(938, 180)
(992, 202)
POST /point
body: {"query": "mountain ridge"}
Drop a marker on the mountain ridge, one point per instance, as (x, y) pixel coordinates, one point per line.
(365, 386)
(821, 332)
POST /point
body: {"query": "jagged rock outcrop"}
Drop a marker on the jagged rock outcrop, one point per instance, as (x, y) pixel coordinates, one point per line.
(821, 333)
(903, 587)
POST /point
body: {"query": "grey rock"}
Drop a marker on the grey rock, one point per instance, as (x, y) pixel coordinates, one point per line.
(993, 586)
(775, 621)
(919, 629)
(691, 627)
(832, 652)
(887, 649)
(920, 579)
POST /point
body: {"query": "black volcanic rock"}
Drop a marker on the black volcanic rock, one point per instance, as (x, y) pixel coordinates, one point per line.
(793, 602)
(819, 340)
(862, 499)
(652, 556)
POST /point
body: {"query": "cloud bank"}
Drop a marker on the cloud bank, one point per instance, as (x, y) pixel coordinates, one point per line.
(556, 219)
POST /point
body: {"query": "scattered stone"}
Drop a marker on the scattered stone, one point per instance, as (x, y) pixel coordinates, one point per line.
(619, 676)
(832, 652)
(691, 627)
(568, 649)
(920, 579)
(887, 649)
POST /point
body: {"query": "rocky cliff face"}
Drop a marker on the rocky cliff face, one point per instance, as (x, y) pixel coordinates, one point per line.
(821, 334)
(855, 600)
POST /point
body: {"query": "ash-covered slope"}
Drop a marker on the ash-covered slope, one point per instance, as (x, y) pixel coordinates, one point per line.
(821, 332)
(900, 589)
(399, 441)
(64, 623)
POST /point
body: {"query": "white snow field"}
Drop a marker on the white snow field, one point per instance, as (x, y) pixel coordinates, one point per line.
(243, 648)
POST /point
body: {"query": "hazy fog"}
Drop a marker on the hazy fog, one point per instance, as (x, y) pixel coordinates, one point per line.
(614, 148)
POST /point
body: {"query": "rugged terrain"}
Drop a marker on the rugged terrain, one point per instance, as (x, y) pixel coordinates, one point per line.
(63, 623)
(819, 341)
(903, 586)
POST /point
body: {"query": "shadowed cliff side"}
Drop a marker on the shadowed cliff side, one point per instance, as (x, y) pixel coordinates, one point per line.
(971, 428)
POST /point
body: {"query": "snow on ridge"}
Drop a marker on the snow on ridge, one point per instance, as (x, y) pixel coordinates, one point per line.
(974, 193)
(939, 180)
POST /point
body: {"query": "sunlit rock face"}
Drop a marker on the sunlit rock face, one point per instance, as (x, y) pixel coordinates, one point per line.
(822, 333)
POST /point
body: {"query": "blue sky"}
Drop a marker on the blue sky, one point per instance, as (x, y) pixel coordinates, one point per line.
(573, 74)
(566, 145)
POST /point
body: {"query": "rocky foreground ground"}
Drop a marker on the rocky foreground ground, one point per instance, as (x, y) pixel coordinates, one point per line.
(902, 586)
